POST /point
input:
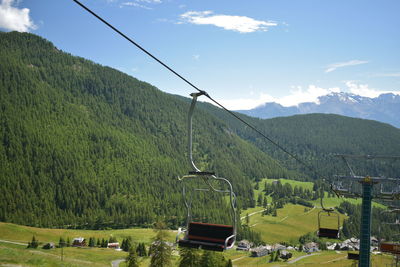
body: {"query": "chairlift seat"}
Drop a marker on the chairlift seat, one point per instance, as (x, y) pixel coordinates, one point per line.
(353, 256)
(207, 236)
(328, 232)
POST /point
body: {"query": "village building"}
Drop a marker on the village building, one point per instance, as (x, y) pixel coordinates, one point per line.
(260, 251)
(49, 245)
(113, 245)
(79, 242)
(244, 245)
(310, 247)
(277, 247)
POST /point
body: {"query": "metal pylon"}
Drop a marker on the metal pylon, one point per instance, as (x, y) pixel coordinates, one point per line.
(367, 183)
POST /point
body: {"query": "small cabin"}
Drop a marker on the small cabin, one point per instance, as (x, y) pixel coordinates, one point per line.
(260, 251)
(310, 247)
(244, 245)
(113, 245)
(79, 242)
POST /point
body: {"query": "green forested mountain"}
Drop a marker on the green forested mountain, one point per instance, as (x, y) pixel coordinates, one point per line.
(316, 138)
(83, 144)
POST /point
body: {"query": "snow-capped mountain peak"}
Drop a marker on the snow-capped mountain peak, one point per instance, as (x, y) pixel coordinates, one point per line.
(384, 108)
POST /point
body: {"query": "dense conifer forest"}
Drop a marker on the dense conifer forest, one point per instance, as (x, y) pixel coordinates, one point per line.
(316, 138)
(88, 146)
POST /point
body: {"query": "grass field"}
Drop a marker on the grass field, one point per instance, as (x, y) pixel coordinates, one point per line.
(328, 202)
(290, 223)
(9, 231)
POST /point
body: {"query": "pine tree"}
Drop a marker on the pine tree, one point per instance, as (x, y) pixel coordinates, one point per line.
(278, 253)
(61, 243)
(161, 252)
(265, 202)
(132, 258)
(189, 257)
(127, 244)
(259, 199)
(92, 242)
(141, 250)
(34, 243)
(207, 259)
(113, 239)
(272, 256)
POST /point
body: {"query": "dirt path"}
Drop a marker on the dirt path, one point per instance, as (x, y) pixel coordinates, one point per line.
(309, 211)
(12, 242)
(115, 263)
(302, 257)
(251, 214)
(239, 258)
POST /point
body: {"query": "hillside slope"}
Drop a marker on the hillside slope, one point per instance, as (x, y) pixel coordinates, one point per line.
(86, 145)
(316, 138)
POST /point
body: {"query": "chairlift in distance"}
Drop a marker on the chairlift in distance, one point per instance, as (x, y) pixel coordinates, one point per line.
(325, 231)
(342, 191)
(208, 236)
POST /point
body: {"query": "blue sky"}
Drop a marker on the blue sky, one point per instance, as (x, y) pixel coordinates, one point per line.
(243, 53)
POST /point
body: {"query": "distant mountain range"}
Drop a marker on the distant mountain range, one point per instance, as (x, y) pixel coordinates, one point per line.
(384, 108)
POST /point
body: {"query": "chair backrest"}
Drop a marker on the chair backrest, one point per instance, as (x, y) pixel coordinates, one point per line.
(206, 232)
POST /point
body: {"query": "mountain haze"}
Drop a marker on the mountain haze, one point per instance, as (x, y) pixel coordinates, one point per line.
(384, 108)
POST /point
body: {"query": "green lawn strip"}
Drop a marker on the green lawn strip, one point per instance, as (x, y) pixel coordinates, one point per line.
(12, 254)
(24, 234)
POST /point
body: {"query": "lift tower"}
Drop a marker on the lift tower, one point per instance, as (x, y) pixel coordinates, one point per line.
(367, 183)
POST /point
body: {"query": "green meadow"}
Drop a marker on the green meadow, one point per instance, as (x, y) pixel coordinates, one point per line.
(291, 222)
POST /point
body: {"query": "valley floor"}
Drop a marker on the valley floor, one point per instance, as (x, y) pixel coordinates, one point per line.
(13, 251)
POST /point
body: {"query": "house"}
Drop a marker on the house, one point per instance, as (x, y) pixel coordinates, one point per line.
(49, 246)
(277, 247)
(244, 245)
(310, 247)
(113, 245)
(333, 246)
(260, 251)
(79, 242)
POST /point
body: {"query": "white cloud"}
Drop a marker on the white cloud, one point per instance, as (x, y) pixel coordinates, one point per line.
(15, 19)
(140, 3)
(364, 90)
(297, 95)
(240, 24)
(196, 57)
(335, 66)
(150, 1)
(135, 4)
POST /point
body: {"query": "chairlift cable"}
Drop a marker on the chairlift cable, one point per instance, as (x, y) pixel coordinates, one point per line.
(199, 90)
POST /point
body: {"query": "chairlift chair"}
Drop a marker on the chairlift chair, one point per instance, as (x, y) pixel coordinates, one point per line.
(208, 236)
(388, 195)
(325, 231)
(328, 232)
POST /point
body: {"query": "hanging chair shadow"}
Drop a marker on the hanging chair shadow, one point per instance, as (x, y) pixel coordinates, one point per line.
(208, 236)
